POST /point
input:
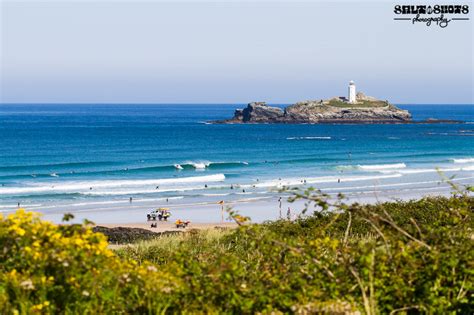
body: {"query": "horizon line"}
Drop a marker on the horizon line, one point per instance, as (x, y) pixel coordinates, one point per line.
(200, 103)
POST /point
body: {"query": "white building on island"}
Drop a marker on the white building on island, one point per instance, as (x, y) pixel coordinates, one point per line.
(352, 92)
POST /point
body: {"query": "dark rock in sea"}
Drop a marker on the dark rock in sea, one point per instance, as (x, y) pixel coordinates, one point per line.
(126, 235)
(335, 110)
(258, 112)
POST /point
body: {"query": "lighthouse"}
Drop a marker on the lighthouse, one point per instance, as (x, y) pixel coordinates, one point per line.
(352, 92)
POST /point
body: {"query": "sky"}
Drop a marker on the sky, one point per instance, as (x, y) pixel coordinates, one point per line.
(227, 52)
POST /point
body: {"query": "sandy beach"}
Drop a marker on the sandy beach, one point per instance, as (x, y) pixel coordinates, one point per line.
(209, 214)
(170, 226)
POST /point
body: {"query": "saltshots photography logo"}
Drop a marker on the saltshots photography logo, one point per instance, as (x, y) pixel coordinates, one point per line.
(440, 15)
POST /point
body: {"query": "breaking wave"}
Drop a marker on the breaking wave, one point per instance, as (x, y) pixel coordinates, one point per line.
(464, 160)
(371, 167)
(376, 167)
(104, 187)
(309, 138)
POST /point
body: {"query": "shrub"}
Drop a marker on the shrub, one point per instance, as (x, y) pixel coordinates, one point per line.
(395, 257)
(69, 269)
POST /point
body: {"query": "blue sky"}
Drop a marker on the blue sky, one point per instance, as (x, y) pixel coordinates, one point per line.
(227, 52)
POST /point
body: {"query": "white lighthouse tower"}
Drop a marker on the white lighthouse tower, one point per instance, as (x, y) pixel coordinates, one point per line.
(352, 92)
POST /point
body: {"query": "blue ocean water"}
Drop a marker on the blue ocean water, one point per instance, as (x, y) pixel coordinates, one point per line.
(79, 155)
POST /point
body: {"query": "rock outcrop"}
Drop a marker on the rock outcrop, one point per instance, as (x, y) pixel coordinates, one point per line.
(259, 112)
(335, 110)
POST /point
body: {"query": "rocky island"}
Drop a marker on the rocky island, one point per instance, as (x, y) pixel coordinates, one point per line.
(364, 109)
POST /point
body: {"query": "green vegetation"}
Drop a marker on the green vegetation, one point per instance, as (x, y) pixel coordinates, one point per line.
(397, 257)
(339, 103)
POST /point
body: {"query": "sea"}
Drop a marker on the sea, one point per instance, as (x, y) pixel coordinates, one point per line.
(58, 158)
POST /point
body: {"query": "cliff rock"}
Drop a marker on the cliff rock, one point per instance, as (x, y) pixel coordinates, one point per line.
(367, 109)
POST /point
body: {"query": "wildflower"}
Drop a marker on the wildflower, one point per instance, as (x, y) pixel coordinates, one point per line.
(152, 268)
(85, 293)
(27, 284)
(79, 241)
(17, 230)
(37, 307)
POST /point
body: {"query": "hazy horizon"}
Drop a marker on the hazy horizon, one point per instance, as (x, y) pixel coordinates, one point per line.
(232, 52)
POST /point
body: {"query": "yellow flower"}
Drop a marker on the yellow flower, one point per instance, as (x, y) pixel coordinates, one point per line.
(17, 230)
(78, 241)
(38, 307)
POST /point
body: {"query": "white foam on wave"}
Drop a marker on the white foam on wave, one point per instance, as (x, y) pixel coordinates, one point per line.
(200, 166)
(391, 185)
(178, 167)
(215, 195)
(84, 187)
(376, 167)
(464, 160)
(430, 170)
(319, 180)
(137, 191)
(112, 202)
(309, 138)
(345, 167)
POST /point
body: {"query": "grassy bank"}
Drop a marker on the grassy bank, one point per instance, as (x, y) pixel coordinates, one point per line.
(397, 257)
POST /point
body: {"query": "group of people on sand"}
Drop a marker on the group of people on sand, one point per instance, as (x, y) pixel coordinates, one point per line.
(160, 214)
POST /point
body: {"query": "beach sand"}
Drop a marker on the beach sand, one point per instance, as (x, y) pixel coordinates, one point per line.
(170, 226)
(209, 214)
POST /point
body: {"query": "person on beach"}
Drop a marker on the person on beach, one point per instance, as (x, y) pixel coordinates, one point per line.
(131, 199)
(279, 207)
(18, 205)
(288, 214)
